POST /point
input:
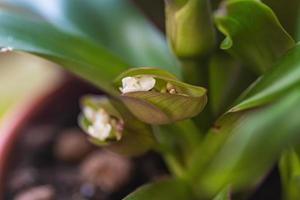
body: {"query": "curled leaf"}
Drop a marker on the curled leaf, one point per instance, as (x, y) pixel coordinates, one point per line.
(103, 120)
(168, 101)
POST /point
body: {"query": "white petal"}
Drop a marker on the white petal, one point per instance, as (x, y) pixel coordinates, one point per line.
(91, 131)
(101, 116)
(147, 83)
(136, 84)
(129, 84)
(89, 113)
(100, 131)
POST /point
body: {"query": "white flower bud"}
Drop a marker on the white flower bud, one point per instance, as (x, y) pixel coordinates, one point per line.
(137, 84)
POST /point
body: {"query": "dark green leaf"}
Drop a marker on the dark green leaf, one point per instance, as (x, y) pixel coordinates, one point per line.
(253, 33)
(162, 190)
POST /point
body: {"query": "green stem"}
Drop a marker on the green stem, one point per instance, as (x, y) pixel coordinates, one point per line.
(196, 72)
(176, 144)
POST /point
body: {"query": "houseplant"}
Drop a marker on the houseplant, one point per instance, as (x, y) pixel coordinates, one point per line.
(249, 120)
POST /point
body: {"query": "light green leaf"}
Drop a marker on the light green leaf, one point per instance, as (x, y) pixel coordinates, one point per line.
(253, 33)
(162, 190)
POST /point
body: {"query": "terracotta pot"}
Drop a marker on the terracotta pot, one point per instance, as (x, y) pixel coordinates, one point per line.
(61, 97)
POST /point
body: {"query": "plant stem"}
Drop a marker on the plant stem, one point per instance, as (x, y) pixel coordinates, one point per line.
(196, 72)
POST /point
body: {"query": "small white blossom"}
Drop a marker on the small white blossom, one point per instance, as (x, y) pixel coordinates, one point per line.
(100, 120)
(137, 84)
(100, 131)
(89, 113)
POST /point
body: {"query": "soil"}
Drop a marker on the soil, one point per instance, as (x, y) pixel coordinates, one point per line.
(38, 165)
(53, 160)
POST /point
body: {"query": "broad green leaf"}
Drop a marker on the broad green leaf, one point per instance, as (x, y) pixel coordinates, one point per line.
(115, 24)
(170, 100)
(290, 174)
(278, 81)
(253, 33)
(78, 55)
(261, 136)
(162, 190)
(287, 12)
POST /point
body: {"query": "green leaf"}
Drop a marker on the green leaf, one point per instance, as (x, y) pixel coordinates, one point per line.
(261, 136)
(115, 24)
(277, 82)
(253, 33)
(162, 190)
(78, 55)
(160, 106)
(290, 174)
